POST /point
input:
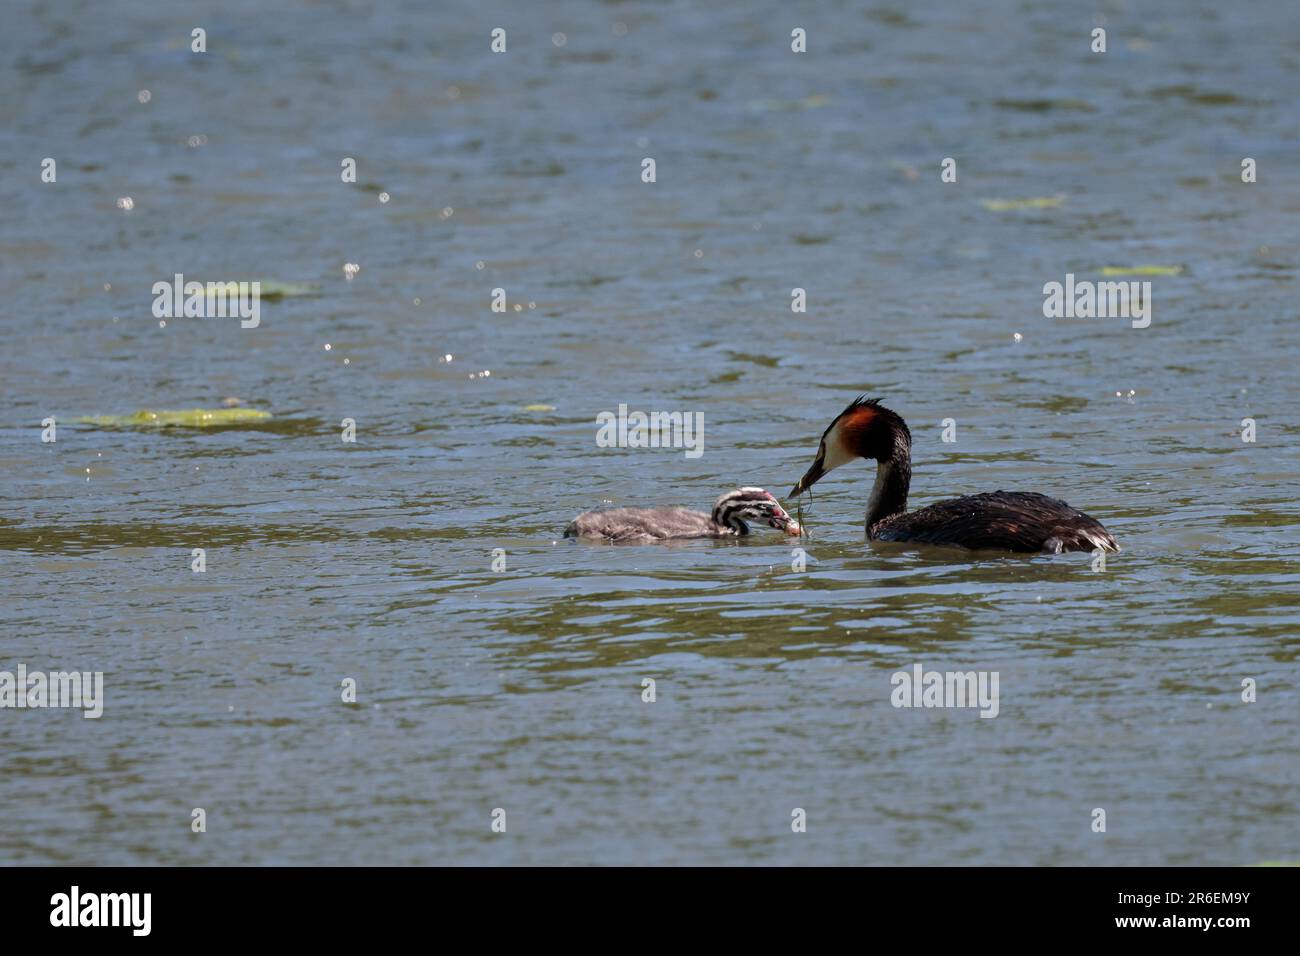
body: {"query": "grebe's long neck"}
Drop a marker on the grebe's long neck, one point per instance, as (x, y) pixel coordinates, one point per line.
(893, 478)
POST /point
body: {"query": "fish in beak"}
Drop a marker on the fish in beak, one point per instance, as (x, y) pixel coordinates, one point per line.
(782, 521)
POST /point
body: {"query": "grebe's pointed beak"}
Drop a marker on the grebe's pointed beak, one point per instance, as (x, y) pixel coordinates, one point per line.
(811, 476)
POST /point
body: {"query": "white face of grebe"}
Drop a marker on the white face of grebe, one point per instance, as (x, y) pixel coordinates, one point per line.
(756, 504)
(831, 453)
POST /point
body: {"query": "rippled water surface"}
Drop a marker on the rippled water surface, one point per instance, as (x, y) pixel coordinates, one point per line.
(521, 689)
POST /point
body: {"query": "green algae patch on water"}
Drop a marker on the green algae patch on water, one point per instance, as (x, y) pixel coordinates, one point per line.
(813, 102)
(183, 418)
(1142, 270)
(272, 290)
(1033, 202)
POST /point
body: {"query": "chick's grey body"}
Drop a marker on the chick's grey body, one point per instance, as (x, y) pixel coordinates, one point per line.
(666, 524)
(645, 524)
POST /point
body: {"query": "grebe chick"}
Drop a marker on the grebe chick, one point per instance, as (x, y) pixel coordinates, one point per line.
(998, 520)
(644, 525)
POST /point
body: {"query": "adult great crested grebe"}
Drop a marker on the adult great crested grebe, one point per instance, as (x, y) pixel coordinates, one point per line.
(643, 525)
(996, 520)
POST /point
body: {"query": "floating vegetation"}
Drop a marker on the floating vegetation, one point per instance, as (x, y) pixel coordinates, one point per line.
(184, 418)
(1045, 105)
(893, 18)
(786, 106)
(1033, 202)
(525, 166)
(1142, 271)
(272, 290)
(1191, 94)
